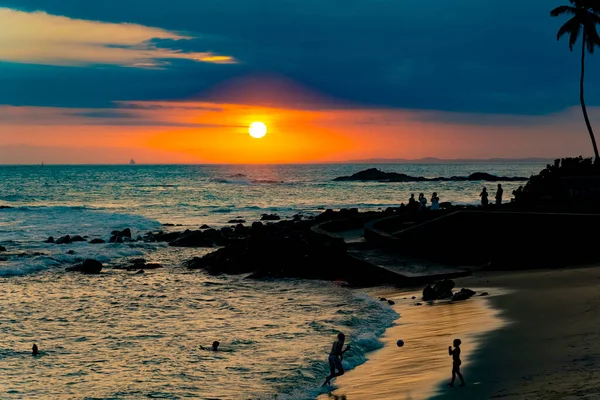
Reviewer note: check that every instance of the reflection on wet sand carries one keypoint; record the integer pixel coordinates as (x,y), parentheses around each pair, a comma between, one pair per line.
(420,368)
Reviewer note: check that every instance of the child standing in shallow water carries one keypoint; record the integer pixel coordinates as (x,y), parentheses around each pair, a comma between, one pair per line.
(456,362)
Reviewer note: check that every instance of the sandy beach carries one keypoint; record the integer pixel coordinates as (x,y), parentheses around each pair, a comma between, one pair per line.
(534,337)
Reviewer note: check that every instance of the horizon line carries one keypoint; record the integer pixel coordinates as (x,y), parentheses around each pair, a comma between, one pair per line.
(423,160)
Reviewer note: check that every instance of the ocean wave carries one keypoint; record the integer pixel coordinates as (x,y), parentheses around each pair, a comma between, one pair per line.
(363,330)
(25,230)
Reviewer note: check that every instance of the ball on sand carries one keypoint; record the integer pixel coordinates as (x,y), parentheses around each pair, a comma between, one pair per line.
(400,343)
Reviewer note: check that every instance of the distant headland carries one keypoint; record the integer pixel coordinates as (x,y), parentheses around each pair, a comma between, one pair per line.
(433,160)
(374,174)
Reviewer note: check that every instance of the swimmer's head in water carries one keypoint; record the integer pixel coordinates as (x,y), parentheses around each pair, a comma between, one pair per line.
(215,345)
(457,342)
(341,336)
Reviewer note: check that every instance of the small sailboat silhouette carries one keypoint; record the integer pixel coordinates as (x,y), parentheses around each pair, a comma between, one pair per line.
(132,162)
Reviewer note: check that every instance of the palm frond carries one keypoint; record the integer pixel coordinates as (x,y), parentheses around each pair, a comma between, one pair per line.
(592,37)
(558,11)
(571,27)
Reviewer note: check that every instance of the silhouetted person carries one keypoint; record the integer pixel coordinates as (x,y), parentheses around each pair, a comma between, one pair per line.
(335,358)
(215,346)
(34,350)
(435,201)
(484,197)
(499,194)
(412,203)
(455,354)
(422,202)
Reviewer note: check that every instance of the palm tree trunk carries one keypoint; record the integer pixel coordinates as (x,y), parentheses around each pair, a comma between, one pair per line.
(581,98)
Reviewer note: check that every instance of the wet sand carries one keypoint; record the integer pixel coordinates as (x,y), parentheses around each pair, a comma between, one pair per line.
(415,370)
(543,342)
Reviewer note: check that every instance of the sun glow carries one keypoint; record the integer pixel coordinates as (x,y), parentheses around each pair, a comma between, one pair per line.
(257,130)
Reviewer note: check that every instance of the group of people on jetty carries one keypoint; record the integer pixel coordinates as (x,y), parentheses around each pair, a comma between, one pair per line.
(420,204)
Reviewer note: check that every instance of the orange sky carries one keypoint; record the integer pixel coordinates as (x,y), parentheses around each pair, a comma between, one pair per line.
(216,131)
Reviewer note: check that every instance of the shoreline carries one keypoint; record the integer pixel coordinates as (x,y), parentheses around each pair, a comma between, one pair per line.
(540,343)
(416,370)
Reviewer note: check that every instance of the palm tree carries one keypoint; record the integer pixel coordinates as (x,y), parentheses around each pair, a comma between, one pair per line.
(585,16)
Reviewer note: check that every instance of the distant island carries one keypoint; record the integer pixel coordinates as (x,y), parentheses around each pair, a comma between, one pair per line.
(433,160)
(374,174)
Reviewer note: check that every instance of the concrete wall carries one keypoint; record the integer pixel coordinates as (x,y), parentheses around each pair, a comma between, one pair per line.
(521,239)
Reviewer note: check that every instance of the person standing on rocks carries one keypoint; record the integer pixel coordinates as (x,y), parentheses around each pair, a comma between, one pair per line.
(484,197)
(423,201)
(499,193)
(435,202)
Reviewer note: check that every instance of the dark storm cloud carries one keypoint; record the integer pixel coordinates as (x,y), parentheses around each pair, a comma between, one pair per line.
(489,56)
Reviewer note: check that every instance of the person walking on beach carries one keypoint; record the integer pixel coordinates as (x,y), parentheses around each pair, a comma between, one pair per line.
(455,354)
(335,358)
(34,350)
(484,197)
(435,201)
(499,194)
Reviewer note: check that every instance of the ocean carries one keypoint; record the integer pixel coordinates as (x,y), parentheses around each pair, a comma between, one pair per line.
(124,336)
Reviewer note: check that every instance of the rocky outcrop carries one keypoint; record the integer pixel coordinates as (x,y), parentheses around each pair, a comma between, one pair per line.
(63,240)
(120,236)
(374,174)
(97,241)
(89,266)
(270,217)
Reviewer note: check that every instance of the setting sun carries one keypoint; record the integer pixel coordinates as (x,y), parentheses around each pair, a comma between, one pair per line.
(257,130)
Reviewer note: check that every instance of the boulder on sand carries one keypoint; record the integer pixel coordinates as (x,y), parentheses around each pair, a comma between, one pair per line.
(439,290)
(463,294)
(89,266)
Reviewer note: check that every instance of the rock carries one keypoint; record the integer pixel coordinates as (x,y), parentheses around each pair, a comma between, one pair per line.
(89,266)
(168,224)
(152,266)
(414,297)
(270,217)
(137,261)
(125,233)
(205,227)
(71,252)
(2,248)
(191,239)
(49,240)
(463,294)
(63,240)
(77,238)
(391,302)
(484,294)
(418,304)
(240,229)
(162,236)
(97,241)
(237,221)
(226,230)
(257,225)
(116,239)
(4,207)
(382,299)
